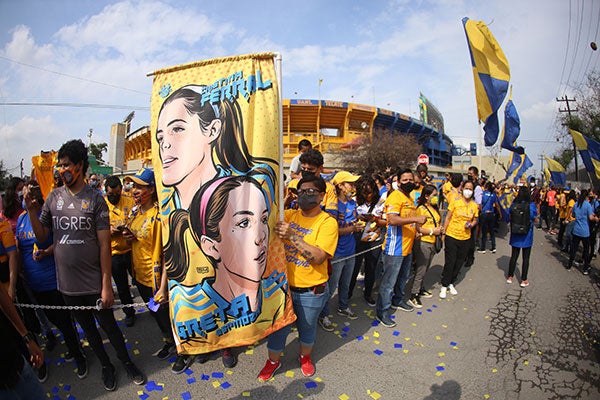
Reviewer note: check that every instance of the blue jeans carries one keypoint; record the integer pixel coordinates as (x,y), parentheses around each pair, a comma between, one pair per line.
(307,307)
(341,273)
(28,387)
(396,270)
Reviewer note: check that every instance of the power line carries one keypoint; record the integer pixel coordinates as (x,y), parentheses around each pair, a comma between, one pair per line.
(79,105)
(562,74)
(73,77)
(576,43)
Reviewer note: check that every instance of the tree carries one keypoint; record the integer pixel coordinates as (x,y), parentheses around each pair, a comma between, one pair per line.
(96,149)
(3,175)
(380,152)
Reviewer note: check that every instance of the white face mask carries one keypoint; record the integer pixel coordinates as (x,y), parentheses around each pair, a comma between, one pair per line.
(395,185)
(467,193)
(532,184)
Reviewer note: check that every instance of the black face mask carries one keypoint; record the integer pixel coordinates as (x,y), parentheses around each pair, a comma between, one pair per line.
(113,198)
(307,173)
(308,202)
(407,187)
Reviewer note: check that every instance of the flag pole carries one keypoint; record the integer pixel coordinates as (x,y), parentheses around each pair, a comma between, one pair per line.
(278,63)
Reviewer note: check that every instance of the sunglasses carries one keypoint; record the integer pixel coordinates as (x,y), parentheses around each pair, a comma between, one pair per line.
(310,191)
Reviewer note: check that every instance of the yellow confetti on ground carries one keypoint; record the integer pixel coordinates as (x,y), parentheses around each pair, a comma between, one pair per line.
(494,370)
(375,334)
(438,338)
(343,396)
(140,392)
(413,324)
(289,374)
(366,337)
(300,396)
(455,348)
(441,354)
(487,317)
(376,341)
(317,379)
(486,396)
(465,308)
(229,372)
(375,395)
(444,326)
(250,352)
(405,351)
(407,339)
(246,394)
(539,352)
(165,398)
(439,373)
(216,384)
(526,362)
(336,332)
(441,364)
(136,352)
(532,333)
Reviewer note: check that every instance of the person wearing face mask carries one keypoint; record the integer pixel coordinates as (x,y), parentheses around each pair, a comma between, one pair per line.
(397,247)
(342,264)
(94,182)
(13,197)
(77,217)
(311,162)
(473,176)
(119,207)
(310,237)
(457,230)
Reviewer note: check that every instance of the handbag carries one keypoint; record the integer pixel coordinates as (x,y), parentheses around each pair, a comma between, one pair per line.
(438,245)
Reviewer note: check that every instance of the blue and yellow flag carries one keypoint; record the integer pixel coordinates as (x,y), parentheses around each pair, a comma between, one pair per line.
(491,74)
(512,127)
(525,165)
(515,162)
(589,149)
(557,172)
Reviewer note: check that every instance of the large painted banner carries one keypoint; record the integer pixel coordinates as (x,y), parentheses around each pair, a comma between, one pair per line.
(215,146)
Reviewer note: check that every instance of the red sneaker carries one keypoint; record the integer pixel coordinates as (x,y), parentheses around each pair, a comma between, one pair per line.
(306,365)
(268,370)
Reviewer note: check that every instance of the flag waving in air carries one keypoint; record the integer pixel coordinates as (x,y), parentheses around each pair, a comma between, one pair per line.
(491,74)
(557,172)
(589,150)
(512,127)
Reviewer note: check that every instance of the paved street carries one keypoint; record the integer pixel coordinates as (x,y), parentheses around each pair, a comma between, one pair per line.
(491,341)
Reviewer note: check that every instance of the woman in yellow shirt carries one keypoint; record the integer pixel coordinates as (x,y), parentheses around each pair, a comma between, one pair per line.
(424,248)
(460,220)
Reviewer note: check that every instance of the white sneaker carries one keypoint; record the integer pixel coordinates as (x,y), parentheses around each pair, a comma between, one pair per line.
(443,292)
(453,291)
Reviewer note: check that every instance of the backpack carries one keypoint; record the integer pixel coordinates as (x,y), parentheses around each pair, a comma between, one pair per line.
(520,220)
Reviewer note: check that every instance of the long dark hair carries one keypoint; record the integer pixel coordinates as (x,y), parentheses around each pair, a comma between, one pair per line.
(523,195)
(365,184)
(12,203)
(205,213)
(582,197)
(427,190)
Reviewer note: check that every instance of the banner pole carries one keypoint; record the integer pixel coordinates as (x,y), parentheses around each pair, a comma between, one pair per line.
(278,71)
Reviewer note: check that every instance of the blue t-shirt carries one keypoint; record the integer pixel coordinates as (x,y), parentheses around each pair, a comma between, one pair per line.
(346,215)
(488,200)
(40,275)
(582,218)
(525,241)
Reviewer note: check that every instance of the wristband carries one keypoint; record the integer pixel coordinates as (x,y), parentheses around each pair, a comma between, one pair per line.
(28,337)
(430,232)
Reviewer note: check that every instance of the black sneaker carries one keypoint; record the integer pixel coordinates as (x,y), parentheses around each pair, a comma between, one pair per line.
(82,370)
(386,321)
(69,357)
(108,378)
(586,270)
(164,352)
(426,294)
(134,373)
(370,301)
(229,358)
(202,358)
(415,302)
(42,373)
(129,320)
(182,363)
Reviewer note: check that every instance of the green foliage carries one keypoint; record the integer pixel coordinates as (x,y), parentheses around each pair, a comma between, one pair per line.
(97,149)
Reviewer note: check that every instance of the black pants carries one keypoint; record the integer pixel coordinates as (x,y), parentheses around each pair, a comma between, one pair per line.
(586,250)
(121,269)
(470,243)
(487,222)
(512,264)
(62,319)
(371,259)
(161,316)
(561,232)
(455,253)
(106,319)
(550,217)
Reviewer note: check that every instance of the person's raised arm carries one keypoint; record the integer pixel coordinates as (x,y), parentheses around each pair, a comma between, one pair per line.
(312,254)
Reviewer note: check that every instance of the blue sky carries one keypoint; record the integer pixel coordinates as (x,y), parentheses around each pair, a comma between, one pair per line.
(380,53)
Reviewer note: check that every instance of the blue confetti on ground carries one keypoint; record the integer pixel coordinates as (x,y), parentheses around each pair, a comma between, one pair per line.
(205,377)
(434,306)
(217,375)
(173,359)
(378,352)
(71,397)
(55,389)
(188,371)
(128,346)
(452,343)
(440,368)
(191,380)
(56,397)
(419,312)
(346,329)
(344,335)
(310,385)
(144,396)
(67,387)
(375,323)
(186,396)
(429,310)
(359,338)
(396,333)
(226,385)
(398,345)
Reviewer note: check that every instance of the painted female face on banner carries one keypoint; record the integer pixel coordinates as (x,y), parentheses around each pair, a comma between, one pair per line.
(184,145)
(244,231)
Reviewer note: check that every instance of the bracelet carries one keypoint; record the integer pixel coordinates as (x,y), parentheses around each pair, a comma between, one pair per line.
(430,232)
(28,337)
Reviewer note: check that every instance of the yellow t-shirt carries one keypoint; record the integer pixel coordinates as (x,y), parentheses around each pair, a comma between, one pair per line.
(399,239)
(422,211)
(569,216)
(119,215)
(446,188)
(320,231)
(561,204)
(147,250)
(462,212)
(452,195)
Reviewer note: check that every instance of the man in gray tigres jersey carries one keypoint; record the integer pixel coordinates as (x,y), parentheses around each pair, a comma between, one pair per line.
(77,215)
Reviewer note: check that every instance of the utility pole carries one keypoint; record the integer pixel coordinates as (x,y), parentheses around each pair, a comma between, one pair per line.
(21,168)
(541,157)
(568,110)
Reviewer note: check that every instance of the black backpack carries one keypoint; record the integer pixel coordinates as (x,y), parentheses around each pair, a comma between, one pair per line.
(520,220)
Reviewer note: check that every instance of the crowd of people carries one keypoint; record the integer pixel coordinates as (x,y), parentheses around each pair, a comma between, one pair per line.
(68,248)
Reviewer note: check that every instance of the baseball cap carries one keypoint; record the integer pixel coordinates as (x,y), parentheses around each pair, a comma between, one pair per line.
(144,177)
(344,176)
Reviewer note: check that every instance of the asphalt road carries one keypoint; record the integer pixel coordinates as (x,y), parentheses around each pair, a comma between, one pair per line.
(491,341)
